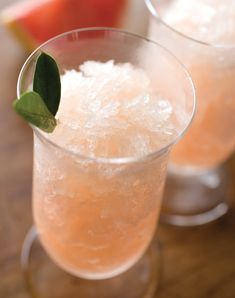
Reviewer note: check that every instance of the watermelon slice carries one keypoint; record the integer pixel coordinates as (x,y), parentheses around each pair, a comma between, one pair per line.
(35,21)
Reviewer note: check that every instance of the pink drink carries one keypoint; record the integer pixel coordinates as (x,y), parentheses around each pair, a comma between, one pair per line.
(98,178)
(209,57)
(96,220)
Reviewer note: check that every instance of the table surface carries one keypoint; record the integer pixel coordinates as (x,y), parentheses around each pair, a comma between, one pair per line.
(198,262)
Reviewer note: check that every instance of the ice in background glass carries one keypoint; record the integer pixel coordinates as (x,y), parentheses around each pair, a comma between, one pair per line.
(201,33)
(98,178)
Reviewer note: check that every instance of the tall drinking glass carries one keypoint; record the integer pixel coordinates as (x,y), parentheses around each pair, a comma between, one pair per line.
(202,35)
(96,203)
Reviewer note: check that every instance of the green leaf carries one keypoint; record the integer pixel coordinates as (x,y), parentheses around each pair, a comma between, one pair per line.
(32,108)
(46,82)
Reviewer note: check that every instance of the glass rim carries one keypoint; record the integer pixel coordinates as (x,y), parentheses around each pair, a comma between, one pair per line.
(153,10)
(111,160)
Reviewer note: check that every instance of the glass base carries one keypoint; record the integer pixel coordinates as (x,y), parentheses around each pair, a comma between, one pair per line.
(45,280)
(193,199)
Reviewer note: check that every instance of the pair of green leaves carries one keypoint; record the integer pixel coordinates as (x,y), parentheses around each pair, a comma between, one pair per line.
(39,106)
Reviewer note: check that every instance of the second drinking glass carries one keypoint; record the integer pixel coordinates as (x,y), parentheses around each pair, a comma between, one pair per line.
(202,35)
